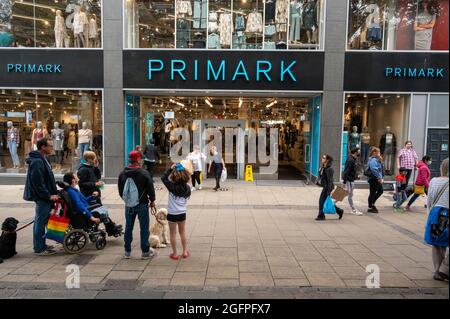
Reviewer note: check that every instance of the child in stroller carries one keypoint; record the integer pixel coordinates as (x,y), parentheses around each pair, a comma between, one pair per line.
(90,206)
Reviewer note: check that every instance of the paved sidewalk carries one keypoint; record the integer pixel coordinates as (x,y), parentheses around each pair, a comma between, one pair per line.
(251,238)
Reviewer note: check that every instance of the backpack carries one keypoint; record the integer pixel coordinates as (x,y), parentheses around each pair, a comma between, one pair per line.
(130,193)
(367,170)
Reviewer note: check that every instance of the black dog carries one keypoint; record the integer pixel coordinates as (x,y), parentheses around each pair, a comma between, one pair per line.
(8,238)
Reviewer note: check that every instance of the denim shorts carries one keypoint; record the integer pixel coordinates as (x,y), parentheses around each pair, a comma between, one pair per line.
(176,218)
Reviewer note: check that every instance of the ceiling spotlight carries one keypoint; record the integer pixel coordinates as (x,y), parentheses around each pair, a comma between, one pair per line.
(398,96)
(207,101)
(3,92)
(381,95)
(49,92)
(365,95)
(386,101)
(241,101)
(65,92)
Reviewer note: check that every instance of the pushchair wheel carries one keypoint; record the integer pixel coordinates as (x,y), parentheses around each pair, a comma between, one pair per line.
(100,243)
(75,241)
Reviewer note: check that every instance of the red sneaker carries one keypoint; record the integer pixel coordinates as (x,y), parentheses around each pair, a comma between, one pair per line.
(186,255)
(174,257)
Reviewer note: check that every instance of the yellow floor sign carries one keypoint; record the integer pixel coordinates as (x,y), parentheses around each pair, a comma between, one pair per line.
(249,173)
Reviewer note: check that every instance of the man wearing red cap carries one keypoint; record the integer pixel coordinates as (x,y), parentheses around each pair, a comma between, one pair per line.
(146,197)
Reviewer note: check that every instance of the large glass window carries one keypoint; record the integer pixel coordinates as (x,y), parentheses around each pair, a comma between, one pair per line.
(439,111)
(420,25)
(375,120)
(225,24)
(50,23)
(73,119)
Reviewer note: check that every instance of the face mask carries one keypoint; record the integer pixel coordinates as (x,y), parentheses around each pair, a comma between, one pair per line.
(430,162)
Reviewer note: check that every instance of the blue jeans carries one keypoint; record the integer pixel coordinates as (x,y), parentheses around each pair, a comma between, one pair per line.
(13,150)
(43,210)
(401,198)
(83,148)
(142,213)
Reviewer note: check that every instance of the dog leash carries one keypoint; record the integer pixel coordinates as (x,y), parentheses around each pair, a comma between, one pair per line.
(25,226)
(154,212)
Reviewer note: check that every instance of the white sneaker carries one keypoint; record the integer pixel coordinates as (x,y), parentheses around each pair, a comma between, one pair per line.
(356,212)
(192,189)
(199,188)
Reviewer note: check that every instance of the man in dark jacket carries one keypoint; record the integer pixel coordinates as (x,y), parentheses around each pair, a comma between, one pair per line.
(350,176)
(40,187)
(326,176)
(146,195)
(151,155)
(89,175)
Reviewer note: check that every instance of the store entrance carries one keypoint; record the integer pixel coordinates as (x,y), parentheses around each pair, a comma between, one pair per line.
(284,130)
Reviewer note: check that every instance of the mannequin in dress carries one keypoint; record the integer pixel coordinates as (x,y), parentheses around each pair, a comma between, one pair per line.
(79,27)
(38,133)
(71,141)
(388,145)
(60,29)
(93,32)
(13,140)
(310,19)
(354,139)
(84,139)
(58,144)
(365,145)
(423,26)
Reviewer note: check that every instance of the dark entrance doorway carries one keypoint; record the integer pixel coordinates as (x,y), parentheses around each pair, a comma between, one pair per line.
(437,148)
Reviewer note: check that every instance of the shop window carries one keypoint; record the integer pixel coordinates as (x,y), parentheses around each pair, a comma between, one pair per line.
(50,24)
(225,24)
(420,25)
(73,119)
(439,111)
(375,120)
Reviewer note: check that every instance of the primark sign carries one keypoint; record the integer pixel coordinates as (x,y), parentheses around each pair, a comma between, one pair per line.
(51,68)
(223,70)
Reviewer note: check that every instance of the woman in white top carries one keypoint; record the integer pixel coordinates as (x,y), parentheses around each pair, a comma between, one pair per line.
(438,197)
(197,158)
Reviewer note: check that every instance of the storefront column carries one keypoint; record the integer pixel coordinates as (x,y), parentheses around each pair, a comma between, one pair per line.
(332,104)
(113,75)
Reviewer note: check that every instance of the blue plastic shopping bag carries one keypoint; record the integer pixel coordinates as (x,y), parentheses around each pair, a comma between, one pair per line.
(328,207)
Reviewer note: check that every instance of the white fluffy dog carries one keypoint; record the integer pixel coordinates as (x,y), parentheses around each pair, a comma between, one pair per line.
(160,230)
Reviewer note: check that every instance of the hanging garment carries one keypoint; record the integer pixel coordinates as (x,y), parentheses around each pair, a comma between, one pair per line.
(183,33)
(374,34)
(239,40)
(269,46)
(270,30)
(310,15)
(184,8)
(79,20)
(424,38)
(296,21)
(213,41)
(270,10)
(200,14)
(93,30)
(281,15)
(240,23)
(225,29)
(212,24)
(71,142)
(60,31)
(254,23)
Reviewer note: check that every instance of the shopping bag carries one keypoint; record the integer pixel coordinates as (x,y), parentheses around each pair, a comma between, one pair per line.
(58,223)
(419,190)
(224,175)
(328,206)
(339,194)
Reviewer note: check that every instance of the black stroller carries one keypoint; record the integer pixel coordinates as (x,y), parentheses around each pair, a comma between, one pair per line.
(81,229)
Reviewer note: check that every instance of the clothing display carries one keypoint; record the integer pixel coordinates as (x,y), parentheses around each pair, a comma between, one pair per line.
(240,23)
(254,23)
(270,10)
(310,15)
(38,133)
(93,29)
(79,21)
(239,40)
(13,141)
(60,30)
(213,26)
(423,38)
(200,14)
(213,41)
(225,29)
(365,147)
(354,140)
(388,144)
(58,139)
(183,34)
(374,33)
(296,20)
(270,30)
(184,8)
(84,136)
(71,142)
(281,15)
(269,46)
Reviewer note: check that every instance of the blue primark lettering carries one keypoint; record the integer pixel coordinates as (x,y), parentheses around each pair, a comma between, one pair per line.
(431,73)
(440,73)
(41,69)
(263,71)
(10,67)
(421,73)
(237,73)
(216,74)
(33,68)
(196,70)
(151,69)
(412,73)
(287,70)
(176,70)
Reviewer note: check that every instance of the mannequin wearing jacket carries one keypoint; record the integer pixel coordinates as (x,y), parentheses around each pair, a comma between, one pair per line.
(58,144)
(13,139)
(388,147)
(60,29)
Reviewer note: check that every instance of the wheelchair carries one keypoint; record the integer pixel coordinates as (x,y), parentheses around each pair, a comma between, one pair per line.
(81,230)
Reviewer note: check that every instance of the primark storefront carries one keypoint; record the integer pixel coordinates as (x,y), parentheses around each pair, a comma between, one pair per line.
(327,75)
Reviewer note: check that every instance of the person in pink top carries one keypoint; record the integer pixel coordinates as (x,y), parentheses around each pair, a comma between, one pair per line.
(407,158)
(423,178)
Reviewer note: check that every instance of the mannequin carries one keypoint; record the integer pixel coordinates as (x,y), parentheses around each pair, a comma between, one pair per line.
(93,32)
(79,27)
(354,139)
(365,145)
(13,140)
(60,29)
(374,33)
(281,16)
(84,139)
(38,133)
(310,19)
(28,133)
(296,20)
(58,144)
(71,141)
(423,26)
(388,145)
